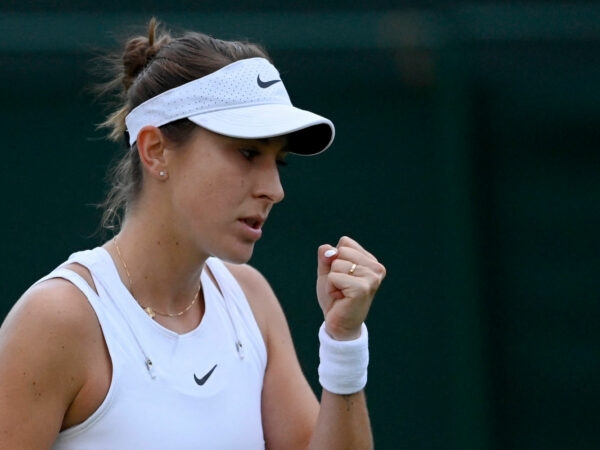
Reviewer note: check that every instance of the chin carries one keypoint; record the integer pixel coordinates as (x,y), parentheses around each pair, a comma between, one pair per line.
(237,261)
(241,256)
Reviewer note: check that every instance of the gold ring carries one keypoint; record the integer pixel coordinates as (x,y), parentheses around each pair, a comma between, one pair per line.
(352,269)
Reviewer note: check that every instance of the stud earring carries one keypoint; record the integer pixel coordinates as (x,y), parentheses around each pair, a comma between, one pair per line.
(162,173)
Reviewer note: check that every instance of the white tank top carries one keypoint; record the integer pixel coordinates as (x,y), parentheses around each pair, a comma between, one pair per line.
(169,391)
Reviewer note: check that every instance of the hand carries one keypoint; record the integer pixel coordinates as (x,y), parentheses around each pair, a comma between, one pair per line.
(345,291)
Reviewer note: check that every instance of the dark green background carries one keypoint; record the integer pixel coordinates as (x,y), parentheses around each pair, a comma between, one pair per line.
(466,159)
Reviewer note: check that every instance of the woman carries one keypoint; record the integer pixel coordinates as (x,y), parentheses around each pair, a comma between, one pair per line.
(163,338)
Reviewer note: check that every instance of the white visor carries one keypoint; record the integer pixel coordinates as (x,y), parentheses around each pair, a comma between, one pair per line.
(245,99)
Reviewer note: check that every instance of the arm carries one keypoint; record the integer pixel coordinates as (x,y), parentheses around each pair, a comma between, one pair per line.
(292,417)
(348,278)
(41,363)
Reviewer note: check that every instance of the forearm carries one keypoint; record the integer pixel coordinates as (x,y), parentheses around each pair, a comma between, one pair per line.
(343,423)
(343,420)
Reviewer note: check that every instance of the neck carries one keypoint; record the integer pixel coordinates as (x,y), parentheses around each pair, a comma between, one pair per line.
(158,270)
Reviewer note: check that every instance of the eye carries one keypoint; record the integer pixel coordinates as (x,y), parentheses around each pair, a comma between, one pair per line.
(249,153)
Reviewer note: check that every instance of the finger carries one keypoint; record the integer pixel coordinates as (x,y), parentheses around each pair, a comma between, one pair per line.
(355,285)
(353,256)
(326,255)
(345,266)
(346,241)
(372,271)
(350,287)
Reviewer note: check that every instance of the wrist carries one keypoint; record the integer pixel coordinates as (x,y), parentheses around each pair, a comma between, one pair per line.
(341,334)
(343,363)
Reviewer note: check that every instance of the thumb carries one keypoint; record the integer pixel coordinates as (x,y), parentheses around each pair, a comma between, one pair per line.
(326,255)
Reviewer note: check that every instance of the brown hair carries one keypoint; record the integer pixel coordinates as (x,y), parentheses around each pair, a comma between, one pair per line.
(148,66)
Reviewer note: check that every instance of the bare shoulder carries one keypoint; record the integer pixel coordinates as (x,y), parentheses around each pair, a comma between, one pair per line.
(250,279)
(53,307)
(44,352)
(260,295)
(52,324)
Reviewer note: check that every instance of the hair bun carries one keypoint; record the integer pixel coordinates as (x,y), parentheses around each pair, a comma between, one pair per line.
(139,52)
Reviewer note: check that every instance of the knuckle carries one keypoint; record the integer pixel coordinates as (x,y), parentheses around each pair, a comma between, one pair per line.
(373,281)
(336,265)
(374,286)
(344,241)
(380,270)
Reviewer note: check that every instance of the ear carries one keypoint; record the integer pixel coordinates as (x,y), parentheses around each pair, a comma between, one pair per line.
(151,146)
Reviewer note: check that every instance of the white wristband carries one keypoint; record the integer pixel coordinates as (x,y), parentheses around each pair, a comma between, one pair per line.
(343,364)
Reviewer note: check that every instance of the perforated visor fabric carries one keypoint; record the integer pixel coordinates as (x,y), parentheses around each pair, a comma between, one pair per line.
(246,99)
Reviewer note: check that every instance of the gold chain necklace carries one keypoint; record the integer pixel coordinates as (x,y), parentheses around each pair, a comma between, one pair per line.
(149,310)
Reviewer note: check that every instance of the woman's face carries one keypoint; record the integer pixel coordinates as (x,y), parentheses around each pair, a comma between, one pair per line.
(221,191)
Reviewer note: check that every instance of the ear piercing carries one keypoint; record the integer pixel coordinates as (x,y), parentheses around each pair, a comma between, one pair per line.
(162,173)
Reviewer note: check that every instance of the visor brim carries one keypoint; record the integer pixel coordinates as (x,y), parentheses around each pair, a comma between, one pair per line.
(309,133)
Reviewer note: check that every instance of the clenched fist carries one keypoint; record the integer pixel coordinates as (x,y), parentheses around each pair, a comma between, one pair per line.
(348,278)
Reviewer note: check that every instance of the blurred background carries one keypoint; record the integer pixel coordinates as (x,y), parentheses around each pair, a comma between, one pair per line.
(466,159)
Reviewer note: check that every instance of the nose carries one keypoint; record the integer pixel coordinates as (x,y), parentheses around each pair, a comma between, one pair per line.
(269,185)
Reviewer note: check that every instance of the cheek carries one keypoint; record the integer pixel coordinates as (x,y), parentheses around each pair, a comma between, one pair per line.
(214,192)
(210,183)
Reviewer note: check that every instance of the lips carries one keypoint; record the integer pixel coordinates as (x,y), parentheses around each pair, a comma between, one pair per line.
(255,222)
(252,226)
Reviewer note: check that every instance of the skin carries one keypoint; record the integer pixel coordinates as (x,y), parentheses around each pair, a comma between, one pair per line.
(55,369)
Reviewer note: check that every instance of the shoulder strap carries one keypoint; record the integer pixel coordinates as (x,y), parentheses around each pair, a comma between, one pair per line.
(91,259)
(74,278)
(226,282)
(237,307)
